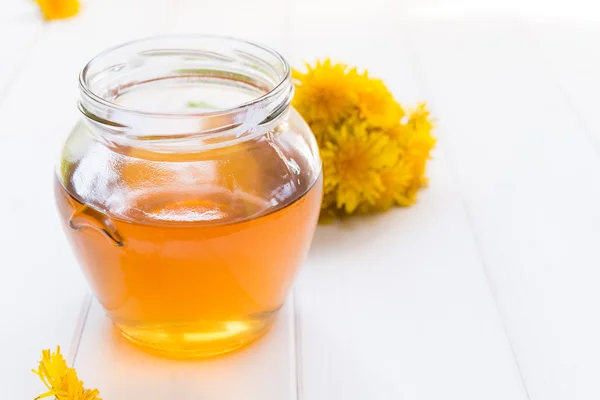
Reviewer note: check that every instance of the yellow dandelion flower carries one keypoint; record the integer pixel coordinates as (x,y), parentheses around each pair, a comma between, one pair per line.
(418,122)
(51,370)
(58,9)
(399,133)
(418,140)
(374,156)
(420,119)
(403,181)
(72,389)
(61,381)
(376,104)
(397,180)
(325,92)
(353,160)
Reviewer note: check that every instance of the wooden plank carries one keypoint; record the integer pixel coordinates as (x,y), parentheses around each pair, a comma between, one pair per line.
(396,305)
(529,175)
(262,371)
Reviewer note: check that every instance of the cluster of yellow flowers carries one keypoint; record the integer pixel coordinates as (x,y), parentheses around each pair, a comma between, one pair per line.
(373,152)
(61,381)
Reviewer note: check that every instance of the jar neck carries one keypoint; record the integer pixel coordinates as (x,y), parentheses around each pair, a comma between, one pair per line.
(180,93)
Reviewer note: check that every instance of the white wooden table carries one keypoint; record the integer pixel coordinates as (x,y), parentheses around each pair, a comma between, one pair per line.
(487,289)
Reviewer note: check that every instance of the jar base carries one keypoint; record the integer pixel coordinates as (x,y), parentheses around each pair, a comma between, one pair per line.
(198,340)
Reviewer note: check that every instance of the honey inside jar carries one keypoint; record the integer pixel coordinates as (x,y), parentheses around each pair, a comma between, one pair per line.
(191,241)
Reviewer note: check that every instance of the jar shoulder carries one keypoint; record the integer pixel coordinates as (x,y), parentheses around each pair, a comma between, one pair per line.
(252,176)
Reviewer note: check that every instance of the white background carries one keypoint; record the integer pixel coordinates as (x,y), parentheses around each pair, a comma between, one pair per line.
(486,289)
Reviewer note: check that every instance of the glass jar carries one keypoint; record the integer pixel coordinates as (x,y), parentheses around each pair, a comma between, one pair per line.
(190,190)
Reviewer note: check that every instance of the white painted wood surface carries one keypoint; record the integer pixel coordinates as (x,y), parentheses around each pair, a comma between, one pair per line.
(486,289)
(528,168)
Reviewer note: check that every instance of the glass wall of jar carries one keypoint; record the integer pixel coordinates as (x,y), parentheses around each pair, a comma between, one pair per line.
(190,190)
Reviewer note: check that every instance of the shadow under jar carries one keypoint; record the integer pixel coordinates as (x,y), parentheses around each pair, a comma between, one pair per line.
(190,190)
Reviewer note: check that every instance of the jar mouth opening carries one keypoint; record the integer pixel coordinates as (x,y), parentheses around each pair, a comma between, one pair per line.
(114,60)
(175,86)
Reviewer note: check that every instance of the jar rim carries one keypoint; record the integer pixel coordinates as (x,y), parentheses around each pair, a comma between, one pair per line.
(243,67)
(92,96)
